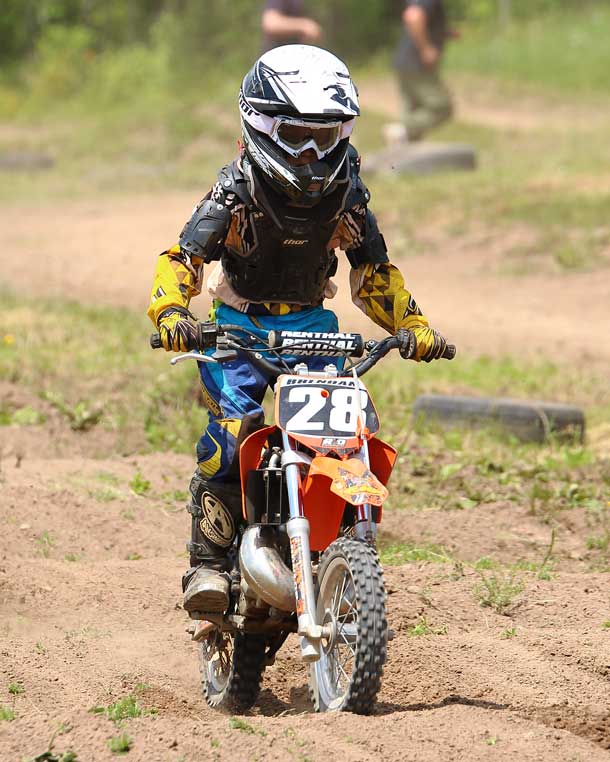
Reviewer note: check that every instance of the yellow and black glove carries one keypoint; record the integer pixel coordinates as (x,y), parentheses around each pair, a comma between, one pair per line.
(430,345)
(178,329)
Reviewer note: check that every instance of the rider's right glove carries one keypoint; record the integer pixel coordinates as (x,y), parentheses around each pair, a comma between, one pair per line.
(178,330)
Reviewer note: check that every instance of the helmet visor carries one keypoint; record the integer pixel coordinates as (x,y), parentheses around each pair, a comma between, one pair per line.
(296,136)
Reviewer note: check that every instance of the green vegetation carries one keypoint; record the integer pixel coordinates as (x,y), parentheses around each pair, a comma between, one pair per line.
(81,416)
(509,632)
(123,709)
(397,554)
(45,542)
(237,723)
(120,744)
(423,627)
(139,485)
(15,689)
(6,714)
(23,416)
(563,49)
(498,590)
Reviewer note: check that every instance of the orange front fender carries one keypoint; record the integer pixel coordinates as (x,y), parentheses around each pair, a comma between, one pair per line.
(324,500)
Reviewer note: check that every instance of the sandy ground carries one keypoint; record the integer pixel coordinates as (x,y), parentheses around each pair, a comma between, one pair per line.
(85,632)
(94,614)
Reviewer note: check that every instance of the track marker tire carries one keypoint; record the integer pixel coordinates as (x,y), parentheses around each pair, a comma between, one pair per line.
(529,421)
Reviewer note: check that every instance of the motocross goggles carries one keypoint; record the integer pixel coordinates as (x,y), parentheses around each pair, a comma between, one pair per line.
(296,136)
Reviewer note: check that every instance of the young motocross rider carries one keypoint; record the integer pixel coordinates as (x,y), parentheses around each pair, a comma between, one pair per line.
(269,229)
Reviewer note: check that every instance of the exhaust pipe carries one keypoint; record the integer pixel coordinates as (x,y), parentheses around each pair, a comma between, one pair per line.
(264,571)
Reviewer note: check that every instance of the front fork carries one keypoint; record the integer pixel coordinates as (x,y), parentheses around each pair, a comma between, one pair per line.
(366,528)
(298,531)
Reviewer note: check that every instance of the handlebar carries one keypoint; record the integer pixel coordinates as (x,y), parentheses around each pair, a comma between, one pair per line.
(302,343)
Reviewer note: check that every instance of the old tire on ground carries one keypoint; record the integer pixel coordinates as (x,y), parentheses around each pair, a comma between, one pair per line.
(351,602)
(231,670)
(529,421)
(421,158)
(25,161)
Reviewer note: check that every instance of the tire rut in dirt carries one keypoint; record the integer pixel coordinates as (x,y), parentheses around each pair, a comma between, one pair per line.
(245,671)
(372,630)
(592,725)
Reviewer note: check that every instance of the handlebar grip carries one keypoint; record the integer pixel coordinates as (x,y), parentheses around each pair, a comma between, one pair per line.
(155,341)
(450,352)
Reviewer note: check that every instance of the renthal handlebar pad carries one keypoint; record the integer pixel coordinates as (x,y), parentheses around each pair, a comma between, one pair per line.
(318,343)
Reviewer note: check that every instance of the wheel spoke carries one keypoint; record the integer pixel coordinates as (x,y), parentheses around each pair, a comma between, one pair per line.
(337,599)
(348,643)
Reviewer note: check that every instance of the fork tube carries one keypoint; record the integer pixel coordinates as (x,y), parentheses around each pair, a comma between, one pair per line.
(298,532)
(365,528)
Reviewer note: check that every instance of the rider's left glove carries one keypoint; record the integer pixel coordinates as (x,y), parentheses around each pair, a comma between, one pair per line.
(430,344)
(178,330)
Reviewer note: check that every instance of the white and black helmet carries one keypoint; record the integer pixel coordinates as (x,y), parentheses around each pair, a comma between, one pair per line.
(296,98)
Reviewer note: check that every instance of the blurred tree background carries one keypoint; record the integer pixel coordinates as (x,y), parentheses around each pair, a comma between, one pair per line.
(51,47)
(208,28)
(150,85)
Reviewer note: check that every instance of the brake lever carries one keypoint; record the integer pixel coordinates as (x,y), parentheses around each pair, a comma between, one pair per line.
(191,356)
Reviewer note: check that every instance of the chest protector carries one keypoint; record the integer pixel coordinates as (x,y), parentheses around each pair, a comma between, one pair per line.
(275,252)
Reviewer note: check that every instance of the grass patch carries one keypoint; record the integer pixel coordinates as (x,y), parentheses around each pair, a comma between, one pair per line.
(6,714)
(563,51)
(509,632)
(397,554)
(16,689)
(125,708)
(155,410)
(498,590)
(237,723)
(120,744)
(423,627)
(23,416)
(46,543)
(139,485)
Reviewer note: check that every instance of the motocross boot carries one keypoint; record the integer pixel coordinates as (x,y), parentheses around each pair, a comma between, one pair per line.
(215,510)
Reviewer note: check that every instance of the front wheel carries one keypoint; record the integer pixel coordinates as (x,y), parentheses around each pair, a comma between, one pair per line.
(231,670)
(351,603)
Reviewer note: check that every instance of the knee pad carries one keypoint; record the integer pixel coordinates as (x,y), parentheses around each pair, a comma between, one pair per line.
(216,513)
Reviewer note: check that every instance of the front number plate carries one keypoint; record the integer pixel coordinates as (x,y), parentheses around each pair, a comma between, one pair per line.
(324,407)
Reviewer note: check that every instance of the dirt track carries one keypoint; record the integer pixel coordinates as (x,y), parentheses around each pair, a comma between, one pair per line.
(84,632)
(109,255)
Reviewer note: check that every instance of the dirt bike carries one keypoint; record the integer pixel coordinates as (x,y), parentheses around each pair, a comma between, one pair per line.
(313,488)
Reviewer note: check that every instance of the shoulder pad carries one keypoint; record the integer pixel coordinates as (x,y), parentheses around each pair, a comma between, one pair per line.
(359,194)
(204,234)
(231,187)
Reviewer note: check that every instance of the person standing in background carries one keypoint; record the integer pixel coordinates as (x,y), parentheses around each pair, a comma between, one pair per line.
(285,22)
(427,101)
